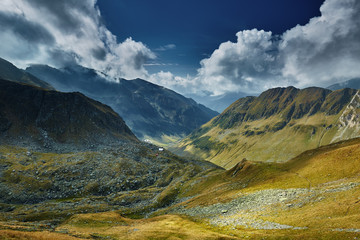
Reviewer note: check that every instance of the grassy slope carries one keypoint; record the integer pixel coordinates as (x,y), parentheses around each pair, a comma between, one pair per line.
(324,171)
(310,169)
(328,209)
(239,133)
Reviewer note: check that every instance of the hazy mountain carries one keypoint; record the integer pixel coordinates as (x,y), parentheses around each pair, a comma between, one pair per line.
(218,103)
(43,119)
(276,126)
(151,111)
(9,72)
(58,146)
(352,83)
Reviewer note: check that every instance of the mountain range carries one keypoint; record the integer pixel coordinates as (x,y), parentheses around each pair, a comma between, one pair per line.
(151,111)
(286,162)
(276,126)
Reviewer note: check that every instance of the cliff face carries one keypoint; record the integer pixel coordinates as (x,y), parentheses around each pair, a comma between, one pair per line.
(31,116)
(276,126)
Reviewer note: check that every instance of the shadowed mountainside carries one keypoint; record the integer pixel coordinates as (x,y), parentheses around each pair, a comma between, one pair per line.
(151,111)
(43,119)
(9,72)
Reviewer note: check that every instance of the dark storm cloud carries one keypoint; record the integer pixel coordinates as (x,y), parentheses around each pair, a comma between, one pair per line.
(62,58)
(66,14)
(65,32)
(27,30)
(99,53)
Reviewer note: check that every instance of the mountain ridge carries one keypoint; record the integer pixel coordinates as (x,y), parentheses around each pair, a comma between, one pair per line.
(275,126)
(151,111)
(10,72)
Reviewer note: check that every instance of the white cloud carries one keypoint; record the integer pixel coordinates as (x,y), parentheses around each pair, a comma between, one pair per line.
(324,51)
(66,32)
(177,83)
(246,65)
(327,49)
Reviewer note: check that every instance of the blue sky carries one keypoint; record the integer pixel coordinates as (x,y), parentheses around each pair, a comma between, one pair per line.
(199,48)
(195,28)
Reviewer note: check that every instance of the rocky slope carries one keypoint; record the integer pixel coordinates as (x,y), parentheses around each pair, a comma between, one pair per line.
(276,126)
(9,72)
(312,196)
(55,121)
(151,111)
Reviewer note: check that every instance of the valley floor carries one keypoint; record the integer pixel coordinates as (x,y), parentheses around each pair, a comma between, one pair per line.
(314,196)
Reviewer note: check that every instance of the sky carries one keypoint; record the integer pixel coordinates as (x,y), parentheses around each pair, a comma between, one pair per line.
(197,47)
(183,32)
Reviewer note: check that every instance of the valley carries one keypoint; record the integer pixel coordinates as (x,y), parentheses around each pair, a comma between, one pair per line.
(283,165)
(313,196)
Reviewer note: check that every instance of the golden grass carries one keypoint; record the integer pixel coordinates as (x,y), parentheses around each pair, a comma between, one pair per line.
(264,145)
(112,225)
(329,212)
(43,235)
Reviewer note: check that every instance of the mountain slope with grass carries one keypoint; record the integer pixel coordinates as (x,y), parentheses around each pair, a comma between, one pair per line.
(276,126)
(313,196)
(64,153)
(151,111)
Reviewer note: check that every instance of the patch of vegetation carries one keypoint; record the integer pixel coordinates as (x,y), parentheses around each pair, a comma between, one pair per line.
(278,126)
(205,144)
(199,132)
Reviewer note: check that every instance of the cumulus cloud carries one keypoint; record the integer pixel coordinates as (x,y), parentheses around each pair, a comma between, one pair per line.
(327,49)
(67,32)
(180,84)
(245,65)
(324,51)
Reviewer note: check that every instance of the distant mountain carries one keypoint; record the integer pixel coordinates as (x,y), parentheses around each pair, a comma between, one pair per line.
(218,103)
(151,111)
(276,126)
(51,120)
(352,83)
(9,72)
